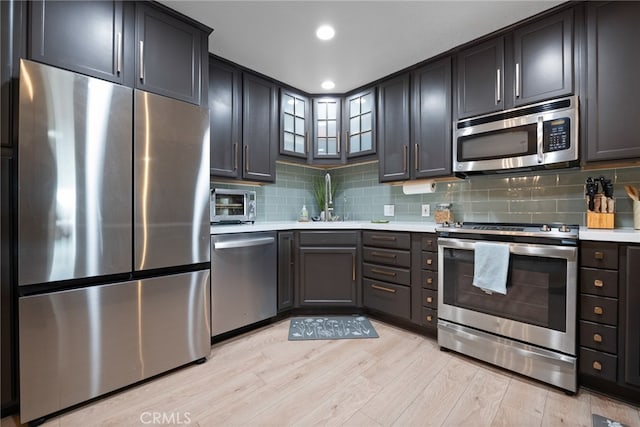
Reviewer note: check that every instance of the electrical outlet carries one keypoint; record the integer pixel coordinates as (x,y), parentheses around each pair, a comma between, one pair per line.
(426,210)
(389,210)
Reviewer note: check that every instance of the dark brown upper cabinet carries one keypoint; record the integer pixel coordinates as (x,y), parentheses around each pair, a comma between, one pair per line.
(531,64)
(360,123)
(139,44)
(431,120)
(327,145)
(259,128)
(64,34)
(393,129)
(295,124)
(613,87)
(225,109)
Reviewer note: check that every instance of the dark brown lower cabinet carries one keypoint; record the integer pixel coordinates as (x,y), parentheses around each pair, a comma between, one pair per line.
(609,325)
(286,269)
(328,264)
(424,280)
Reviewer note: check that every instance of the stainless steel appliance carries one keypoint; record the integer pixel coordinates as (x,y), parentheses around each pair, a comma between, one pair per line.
(538,136)
(532,328)
(243,279)
(113,237)
(233,206)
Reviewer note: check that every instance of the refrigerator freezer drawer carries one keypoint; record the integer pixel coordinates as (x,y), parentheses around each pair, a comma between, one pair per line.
(82,343)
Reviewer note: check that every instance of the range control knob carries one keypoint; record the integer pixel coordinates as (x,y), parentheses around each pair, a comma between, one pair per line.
(458,224)
(564,228)
(545,227)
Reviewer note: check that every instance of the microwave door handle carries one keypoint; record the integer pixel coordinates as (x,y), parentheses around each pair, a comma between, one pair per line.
(540,136)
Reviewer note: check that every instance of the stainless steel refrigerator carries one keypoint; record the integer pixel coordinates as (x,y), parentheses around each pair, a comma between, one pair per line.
(113,237)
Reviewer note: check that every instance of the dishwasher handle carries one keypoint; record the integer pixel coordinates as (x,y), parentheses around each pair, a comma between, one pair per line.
(244,243)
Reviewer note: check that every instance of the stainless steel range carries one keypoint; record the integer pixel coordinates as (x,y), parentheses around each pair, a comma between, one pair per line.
(527,325)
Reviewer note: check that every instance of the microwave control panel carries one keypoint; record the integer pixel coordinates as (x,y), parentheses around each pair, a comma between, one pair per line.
(556,135)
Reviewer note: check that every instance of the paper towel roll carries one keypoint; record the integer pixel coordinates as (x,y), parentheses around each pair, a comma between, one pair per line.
(419,186)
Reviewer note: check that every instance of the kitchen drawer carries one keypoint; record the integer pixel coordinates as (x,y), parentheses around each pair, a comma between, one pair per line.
(430,299)
(430,260)
(386,239)
(429,242)
(395,257)
(599,309)
(429,317)
(387,297)
(599,282)
(429,279)
(598,364)
(598,337)
(401,276)
(599,255)
(321,238)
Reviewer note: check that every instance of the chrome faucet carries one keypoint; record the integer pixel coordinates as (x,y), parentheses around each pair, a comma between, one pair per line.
(327,197)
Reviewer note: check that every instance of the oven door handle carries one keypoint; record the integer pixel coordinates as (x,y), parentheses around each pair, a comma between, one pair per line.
(570,253)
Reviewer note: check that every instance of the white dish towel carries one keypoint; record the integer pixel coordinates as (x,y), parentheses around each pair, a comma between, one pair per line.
(491,267)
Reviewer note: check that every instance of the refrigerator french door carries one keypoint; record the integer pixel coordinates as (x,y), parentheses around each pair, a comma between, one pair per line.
(113,237)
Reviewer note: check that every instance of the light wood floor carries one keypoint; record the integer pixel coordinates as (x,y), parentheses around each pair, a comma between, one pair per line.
(399,379)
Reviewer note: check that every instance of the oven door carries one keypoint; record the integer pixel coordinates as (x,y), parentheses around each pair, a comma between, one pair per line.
(539,307)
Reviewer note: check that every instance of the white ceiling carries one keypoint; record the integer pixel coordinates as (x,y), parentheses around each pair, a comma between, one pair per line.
(373,38)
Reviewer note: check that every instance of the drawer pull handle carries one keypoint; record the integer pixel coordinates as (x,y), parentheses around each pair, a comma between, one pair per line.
(429,243)
(385,238)
(429,300)
(385,273)
(598,310)
(597,366)
(598,255)
(429,318)
(382,288)
(597,338)
(429,261)
(430,280)
(598,283)
(381,255)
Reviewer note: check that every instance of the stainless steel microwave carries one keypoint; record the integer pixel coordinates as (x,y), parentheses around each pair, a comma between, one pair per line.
(233,206)
(537,136)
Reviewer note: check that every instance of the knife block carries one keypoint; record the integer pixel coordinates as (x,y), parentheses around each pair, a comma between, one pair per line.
(600,220)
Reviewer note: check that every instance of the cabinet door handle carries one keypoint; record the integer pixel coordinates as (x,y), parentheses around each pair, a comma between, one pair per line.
(338,141)
(597,338)
(306,142)
(597,366)
(384,273)
(598,310)
(517,80)
(429,300)
(353,268)
(598,283)
(405,155)
(347,142)
(381,255)
(292,252)
(498,86)
(429,281)
(382,288)
(119,54)
(235,156)
(598,255)
(246,158)
(416,148)
(384,238)
(141,57)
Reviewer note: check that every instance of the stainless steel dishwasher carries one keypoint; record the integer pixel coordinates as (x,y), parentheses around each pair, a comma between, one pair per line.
(243,279)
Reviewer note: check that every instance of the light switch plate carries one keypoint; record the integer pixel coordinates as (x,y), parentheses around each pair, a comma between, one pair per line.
(426,210)
(389,210)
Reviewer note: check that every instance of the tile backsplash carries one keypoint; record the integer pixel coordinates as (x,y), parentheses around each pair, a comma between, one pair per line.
(548,196)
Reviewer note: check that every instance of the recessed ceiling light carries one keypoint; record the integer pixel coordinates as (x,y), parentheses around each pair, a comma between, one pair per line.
(328,84)
(325,32)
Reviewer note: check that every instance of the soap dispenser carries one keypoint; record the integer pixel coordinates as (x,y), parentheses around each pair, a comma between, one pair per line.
(304,214)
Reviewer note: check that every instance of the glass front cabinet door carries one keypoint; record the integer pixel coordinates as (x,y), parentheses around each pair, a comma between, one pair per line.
(360,123)
(326,119)
(295,124)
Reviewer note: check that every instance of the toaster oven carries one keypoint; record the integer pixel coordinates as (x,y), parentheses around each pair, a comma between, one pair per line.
(233,206)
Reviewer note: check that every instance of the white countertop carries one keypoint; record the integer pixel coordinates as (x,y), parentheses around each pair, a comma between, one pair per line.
(628,235)
(338,225)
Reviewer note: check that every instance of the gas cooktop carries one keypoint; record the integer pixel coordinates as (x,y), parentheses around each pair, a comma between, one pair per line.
(512,229)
